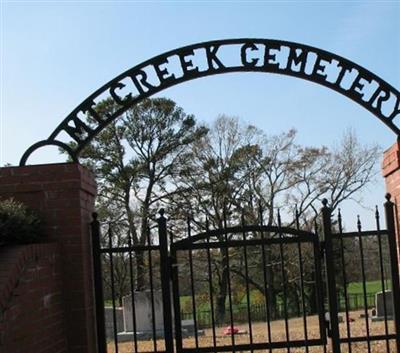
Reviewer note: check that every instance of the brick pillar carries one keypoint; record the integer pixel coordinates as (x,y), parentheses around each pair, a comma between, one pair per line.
(63,194)
(391,173)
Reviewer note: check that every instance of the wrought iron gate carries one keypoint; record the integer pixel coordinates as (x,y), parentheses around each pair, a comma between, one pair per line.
(302,278)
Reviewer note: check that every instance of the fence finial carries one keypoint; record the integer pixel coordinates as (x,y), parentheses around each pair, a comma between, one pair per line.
(358,223)
(339,218)
(297,216)
(260,212)
(279,218)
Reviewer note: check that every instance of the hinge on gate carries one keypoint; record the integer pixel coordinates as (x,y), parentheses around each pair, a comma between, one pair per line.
(328,329)
(322,249)
(174,268)
(327,321)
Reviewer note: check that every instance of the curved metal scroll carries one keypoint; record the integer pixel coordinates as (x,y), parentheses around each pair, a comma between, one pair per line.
(210,58)
(287,235)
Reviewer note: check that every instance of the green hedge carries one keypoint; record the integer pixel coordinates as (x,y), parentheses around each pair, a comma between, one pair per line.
(18,224)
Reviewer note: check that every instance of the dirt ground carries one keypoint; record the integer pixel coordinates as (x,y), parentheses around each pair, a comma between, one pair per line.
(278,333)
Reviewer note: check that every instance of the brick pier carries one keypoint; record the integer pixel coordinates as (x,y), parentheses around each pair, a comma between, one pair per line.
(63,194)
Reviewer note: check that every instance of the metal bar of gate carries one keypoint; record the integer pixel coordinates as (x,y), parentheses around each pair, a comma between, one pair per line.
(344,275)
(301,270)
(114,314)
(165,282)
(319,290)
(390,224)
(364,283)
(246,269)
(192,287)
(151,282)
(98,286)
(228,274)
(284,280)
(382,273)
(210,284)
(135,341)
(265,262)
(331,281)
(177,307)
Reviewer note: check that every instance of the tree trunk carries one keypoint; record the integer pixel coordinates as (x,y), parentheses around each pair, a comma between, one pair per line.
(297,295)
(140,272)
(271,293)
(144,236)
(222,290)
(312,297)
(272,301)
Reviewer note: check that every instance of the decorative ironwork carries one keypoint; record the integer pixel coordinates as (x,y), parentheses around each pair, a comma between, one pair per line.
(218,57)
(236,240)
(254,254)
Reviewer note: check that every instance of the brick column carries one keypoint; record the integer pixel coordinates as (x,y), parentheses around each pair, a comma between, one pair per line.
(391,173)
(63,194)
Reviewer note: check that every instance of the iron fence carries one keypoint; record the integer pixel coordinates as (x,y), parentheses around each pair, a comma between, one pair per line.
(190,286)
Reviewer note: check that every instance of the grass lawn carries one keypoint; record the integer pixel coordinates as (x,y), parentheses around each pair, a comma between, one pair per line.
(372,287)
(354,288)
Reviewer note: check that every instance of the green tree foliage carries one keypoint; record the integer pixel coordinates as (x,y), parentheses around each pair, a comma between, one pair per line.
(18,224)
(133,161)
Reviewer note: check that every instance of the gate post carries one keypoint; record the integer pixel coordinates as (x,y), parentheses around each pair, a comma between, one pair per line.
(63,194)
(98,285)
(391,173)
(390,225)
(165,282)
(330,275)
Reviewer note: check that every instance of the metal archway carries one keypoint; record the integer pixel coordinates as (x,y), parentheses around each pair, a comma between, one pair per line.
(250,55)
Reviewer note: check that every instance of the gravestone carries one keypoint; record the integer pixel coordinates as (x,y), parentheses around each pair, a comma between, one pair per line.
(144,317)
(188,328)
(143,311)
(109,321)
(328,318)
(380,307)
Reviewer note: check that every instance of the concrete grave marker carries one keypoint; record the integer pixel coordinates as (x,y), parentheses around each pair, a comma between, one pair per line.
(109,321)
(143,310)
(380,307)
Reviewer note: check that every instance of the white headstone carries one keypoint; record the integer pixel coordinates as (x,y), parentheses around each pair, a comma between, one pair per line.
(143,311)
(328,317)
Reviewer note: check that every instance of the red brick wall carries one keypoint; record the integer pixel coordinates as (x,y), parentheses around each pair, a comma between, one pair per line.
(64,196)
(391,173)
(32,317)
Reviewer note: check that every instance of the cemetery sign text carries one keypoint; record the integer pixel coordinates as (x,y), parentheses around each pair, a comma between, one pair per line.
(217,57)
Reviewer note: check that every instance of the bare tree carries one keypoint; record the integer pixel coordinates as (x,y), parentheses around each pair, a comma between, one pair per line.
(236,168)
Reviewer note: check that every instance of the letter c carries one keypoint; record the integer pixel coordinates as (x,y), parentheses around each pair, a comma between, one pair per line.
(243,55)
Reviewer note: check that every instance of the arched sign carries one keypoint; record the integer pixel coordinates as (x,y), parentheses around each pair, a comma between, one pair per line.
(218,57)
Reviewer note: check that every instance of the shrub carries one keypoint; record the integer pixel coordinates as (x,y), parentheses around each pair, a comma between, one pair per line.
(18,224)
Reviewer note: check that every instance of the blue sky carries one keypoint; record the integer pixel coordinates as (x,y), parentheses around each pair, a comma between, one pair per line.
(54,54)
